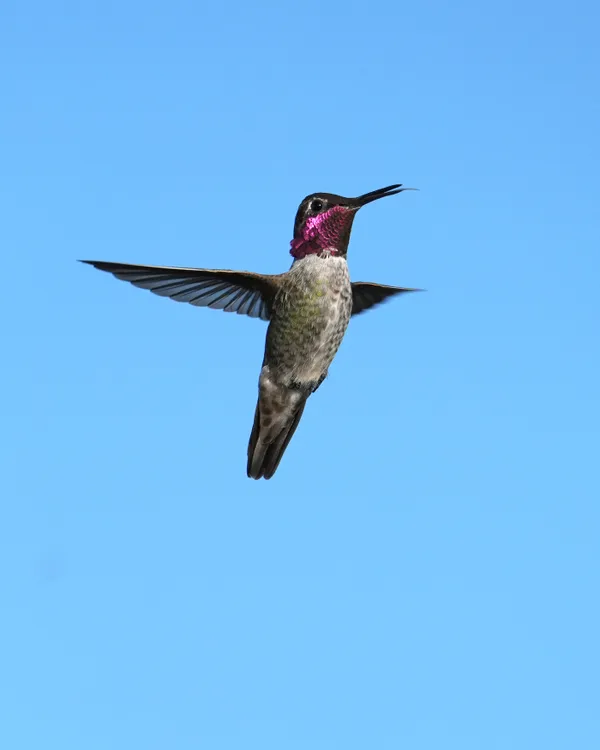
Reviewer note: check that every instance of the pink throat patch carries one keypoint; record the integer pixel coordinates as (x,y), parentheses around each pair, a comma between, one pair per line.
(322,232)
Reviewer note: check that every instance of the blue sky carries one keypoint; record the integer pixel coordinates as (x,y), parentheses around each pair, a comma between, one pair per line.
(423,570)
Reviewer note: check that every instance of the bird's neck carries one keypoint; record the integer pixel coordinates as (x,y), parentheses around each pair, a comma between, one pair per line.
(300,248)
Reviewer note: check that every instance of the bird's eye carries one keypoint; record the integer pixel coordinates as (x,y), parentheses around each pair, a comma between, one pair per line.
(316,205)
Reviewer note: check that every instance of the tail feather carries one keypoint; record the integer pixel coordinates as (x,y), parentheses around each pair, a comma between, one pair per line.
(265,451)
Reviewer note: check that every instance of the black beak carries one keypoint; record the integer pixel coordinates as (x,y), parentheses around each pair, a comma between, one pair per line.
(375,195)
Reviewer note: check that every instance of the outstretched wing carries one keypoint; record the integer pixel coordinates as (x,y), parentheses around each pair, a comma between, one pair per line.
(233,291)
(365,294)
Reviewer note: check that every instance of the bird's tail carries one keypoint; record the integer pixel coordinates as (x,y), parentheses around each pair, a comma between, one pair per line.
(271,434)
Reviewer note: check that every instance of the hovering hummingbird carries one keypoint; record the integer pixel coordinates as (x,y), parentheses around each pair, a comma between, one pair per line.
(308,309)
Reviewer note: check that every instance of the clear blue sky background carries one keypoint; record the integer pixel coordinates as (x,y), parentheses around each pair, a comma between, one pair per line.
(423,571)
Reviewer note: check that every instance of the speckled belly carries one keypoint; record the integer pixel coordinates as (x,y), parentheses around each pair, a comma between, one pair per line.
(309,320)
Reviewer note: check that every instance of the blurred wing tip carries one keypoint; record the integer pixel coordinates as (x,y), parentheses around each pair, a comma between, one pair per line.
(94,263)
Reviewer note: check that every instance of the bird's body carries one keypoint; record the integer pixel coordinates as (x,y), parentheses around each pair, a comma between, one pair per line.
(308,309)
(310,316)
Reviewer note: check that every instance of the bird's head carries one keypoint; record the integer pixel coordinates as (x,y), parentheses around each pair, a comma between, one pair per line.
(324,221)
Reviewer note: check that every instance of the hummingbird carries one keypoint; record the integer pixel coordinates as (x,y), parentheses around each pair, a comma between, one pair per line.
(308,309)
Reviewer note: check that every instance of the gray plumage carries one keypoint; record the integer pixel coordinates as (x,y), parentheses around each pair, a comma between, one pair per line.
(309,318)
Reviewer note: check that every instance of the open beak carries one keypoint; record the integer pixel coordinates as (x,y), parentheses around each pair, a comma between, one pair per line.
(375,195)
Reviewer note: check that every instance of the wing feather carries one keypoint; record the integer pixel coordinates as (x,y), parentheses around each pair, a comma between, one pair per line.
(241,292)
(366,294)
